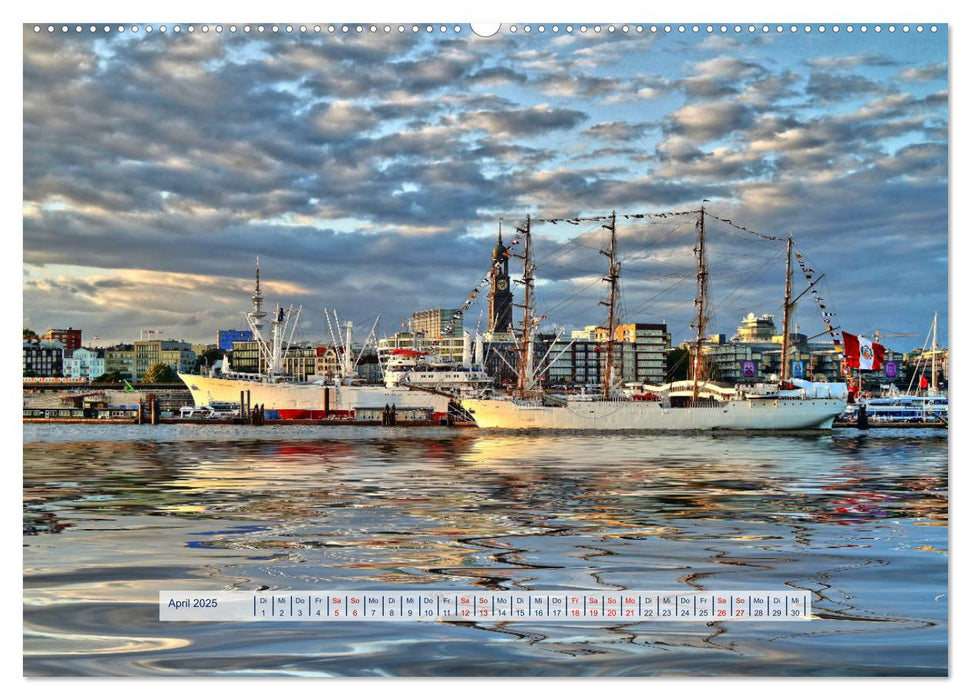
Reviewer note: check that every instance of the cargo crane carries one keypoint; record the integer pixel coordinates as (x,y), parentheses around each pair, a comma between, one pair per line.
(877,335)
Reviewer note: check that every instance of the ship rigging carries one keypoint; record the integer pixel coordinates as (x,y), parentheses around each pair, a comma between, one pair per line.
(532,406)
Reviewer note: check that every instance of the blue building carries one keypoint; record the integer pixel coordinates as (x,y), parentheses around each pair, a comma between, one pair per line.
(225,339)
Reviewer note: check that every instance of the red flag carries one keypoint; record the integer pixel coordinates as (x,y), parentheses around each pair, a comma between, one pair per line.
(851,350)
(861,352)
(923,382)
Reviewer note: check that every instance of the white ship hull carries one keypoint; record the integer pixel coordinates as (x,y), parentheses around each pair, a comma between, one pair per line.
(308,396)
(739,414)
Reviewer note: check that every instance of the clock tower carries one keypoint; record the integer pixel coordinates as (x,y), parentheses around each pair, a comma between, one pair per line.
(500,295)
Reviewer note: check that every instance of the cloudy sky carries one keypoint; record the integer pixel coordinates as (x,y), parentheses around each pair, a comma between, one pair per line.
(369,172)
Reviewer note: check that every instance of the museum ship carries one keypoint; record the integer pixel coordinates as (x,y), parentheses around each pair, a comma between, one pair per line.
(416,380)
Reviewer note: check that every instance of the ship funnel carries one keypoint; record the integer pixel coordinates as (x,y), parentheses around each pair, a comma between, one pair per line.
(479,351)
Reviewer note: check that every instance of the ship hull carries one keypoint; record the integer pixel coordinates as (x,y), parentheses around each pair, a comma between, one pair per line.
(743,414)
(293,396)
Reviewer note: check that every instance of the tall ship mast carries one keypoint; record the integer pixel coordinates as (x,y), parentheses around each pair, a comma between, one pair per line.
(524,381)
(786,312)
(698,373)
(612,278)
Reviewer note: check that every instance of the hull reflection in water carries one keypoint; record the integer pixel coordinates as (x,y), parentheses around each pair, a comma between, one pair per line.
(858,519)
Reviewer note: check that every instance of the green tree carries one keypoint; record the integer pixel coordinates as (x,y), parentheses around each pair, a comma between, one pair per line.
(678,363)
(29,334)
(208,358)
(159,373)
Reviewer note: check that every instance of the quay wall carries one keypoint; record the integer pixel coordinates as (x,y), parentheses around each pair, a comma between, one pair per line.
(171,397)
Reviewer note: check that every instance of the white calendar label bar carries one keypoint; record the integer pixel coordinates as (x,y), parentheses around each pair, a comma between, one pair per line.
(486,606)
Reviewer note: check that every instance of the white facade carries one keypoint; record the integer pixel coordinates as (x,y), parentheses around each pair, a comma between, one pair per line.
(450,348)
(84,364)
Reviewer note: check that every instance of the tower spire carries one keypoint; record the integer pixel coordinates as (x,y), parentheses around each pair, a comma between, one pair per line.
(257,314)
(500,296)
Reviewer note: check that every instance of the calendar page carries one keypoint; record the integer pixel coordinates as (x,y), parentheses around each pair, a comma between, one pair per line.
(437,349)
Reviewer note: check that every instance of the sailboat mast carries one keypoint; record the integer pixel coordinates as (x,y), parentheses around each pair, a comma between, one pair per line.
(613,275)
(787,303)
(525,352)
(934,357)
(700,302)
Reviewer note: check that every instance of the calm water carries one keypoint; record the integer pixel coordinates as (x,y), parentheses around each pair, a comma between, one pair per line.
(112,514)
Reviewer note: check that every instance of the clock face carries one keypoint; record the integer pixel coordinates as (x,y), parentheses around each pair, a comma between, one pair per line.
(501,285)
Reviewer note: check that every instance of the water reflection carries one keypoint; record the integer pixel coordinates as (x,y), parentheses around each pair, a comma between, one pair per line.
(843,515)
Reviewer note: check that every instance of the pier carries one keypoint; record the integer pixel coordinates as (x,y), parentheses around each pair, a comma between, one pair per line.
(348,423)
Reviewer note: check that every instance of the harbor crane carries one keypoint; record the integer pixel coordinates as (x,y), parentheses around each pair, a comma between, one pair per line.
(877,335)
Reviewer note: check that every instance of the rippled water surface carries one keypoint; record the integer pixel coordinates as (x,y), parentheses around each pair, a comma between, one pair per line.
(112,514)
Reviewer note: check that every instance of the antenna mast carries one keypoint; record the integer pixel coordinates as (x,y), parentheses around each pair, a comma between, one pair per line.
(613,275)
(786,309)
(257,314)
(700,301)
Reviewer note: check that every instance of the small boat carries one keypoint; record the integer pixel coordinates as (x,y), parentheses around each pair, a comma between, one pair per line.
(926,405)
(900,409)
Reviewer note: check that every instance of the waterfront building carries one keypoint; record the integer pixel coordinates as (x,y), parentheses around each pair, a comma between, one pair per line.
(326,362)
(246,357)
(922,362)
(500,355)
(202,348)
(70,338)
(643,351)
(304,361)
(176,354)
(84,363)
(43,358)
(225,339)
(639,355)
(121,359)
(369,369)
(438,331)
(588,333)
(434,324)
(449,347)
(575,363)
(756,329)
(300,361)
(754,354)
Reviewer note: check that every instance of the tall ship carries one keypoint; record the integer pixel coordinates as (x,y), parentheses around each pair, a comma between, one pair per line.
(693,404)
(413,380)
